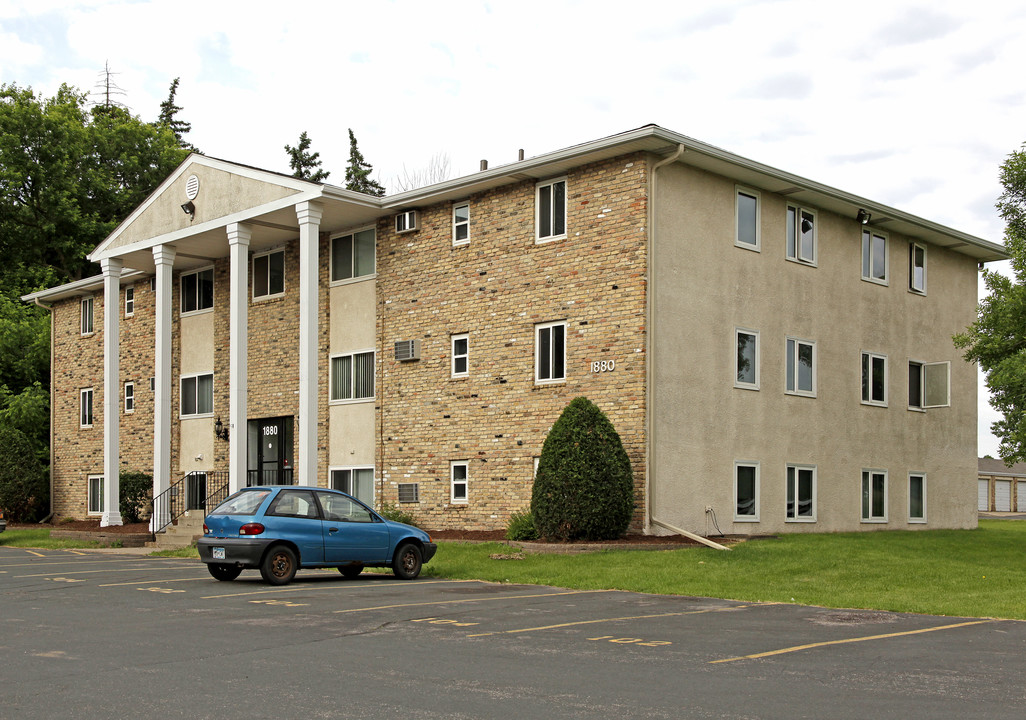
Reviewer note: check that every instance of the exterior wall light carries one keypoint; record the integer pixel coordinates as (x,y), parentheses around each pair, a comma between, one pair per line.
(220,431)
(189,208)
(863,218)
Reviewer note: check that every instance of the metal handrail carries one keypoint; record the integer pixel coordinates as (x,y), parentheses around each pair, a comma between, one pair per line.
(176,501)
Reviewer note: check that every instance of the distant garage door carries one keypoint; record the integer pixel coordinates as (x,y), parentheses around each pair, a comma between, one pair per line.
(1020,497)
(983,495)
(1003,495)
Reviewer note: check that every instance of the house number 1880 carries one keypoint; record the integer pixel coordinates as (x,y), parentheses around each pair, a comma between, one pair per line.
(600,366)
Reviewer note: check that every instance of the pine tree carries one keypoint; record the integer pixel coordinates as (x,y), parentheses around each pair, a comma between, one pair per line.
(305,165)
(358,171)
(168,117)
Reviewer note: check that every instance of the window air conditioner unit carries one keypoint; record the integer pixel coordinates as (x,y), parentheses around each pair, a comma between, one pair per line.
(406,221)
(406,350)
(409,492)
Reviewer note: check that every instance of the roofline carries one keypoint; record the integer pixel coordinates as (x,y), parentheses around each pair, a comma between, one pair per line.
(78,287)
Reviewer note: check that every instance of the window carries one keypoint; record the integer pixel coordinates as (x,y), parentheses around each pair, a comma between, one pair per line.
(550,352)
(129,397)
(460,355)
(801,234)
(458,482)
(352,376)
(929,385)
(874,257)
(85,414)
(95,494)
(801,493)
(198,394)
(87,316)
(550,210)
(746,492)
(801,367)
(746,363)
(352,256)
(461,224)
(917,268)
(153,384)
(747,219)
(198,290)
(916,498)
(874,379)
(406,221)
(129,301)
(874,496)
(153,283)
(268,274)
(358,482)
(294,503)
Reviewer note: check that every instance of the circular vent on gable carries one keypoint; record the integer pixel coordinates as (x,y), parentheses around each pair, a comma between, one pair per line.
(192,187)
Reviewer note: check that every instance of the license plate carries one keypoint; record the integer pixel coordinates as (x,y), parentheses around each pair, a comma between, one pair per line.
(217,553)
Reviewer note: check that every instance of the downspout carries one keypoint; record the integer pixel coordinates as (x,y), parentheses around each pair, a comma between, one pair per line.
(49,309)
(649,395)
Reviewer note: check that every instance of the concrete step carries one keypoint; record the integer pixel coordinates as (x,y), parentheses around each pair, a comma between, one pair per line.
(182,533)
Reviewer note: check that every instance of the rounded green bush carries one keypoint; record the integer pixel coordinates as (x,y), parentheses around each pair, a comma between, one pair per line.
(584,489)
(521,527)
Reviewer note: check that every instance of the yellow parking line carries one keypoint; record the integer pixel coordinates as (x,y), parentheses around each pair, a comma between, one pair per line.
(33,552)
(796,648)
(470,600)
(151,582)
(109,570)
(605,620)
(334,586)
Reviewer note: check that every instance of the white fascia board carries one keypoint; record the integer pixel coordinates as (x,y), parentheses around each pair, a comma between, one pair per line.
(78,287)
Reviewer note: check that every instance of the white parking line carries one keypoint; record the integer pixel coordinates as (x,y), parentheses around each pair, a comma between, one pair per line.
(347,585)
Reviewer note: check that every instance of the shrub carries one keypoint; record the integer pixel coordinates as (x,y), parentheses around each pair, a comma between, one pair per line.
(135,489)
(584,489)
(24,481)
(521,527)
(396,513)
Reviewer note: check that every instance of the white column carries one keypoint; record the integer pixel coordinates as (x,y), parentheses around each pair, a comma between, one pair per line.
(238,354)
(163,260)
(309,215)
(111,268)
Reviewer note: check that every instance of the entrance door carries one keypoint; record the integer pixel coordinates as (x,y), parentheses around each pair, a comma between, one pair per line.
(270,451)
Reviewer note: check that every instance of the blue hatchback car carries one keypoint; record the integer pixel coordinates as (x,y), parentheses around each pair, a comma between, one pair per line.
(280,529)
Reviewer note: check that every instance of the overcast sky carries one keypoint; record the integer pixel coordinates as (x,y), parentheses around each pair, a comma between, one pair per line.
(912,104)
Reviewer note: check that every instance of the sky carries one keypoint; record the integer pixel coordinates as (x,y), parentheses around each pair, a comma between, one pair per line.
(912,104)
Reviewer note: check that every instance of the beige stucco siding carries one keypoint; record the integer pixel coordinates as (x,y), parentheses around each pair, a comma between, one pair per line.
(704,287)
(352,426)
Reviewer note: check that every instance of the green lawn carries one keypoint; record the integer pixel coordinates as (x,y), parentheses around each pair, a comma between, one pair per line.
(40,538)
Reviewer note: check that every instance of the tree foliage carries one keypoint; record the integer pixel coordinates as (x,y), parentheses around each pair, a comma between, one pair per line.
(584,488)
(997,340)
(358,171)
(24,486)
(135,490)
(305,164)
(169,117)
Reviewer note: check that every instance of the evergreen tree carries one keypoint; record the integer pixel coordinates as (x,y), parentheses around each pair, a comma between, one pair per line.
(169,117)
(305,165)
(358,171)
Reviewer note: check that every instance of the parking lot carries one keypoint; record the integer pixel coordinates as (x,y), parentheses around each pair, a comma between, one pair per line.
(111,635)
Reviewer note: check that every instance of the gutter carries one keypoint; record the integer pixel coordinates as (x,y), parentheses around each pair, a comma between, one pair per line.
(49,309)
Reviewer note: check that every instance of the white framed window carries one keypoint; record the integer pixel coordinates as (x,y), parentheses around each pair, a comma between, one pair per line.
(94,493)
(129,301)
(874,379)
(87,315)
(746,359)
(746,491)
(352,377)
(458,480)
(874,257)
(874,495)
(352,255)
(357,481)
(153,384)
(269,274)
(801,235)
(550,352)
(461,224)
(747,218)
(153,283)
(801,493)
(85,407)
(917,268)
(197,290)
(929,385)
(550,210)
(800,370)
(129,397)
(461,355)
(917,497)
(197,395)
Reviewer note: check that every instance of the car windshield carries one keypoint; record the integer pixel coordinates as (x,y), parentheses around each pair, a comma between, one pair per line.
(244,502)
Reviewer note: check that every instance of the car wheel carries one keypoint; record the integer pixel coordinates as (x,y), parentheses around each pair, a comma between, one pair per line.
(407,562)
(279,566)
(223,572)
(351,571)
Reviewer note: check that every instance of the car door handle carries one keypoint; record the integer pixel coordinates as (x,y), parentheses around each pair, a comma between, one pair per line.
(332,530)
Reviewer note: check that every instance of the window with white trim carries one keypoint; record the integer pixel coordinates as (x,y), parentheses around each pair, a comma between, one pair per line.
(460,355)
(801,493)
(929,385)
(746,359)
(874,257)
(129,301)
(874,379)
(357,481)
(801,234)
(129,397)
(352,255)
(197,290)
(458,479)
(800,370)
(352,376)
(874,496)
(197,395)
(917,268)
(461,224)
(550,352)
(550,210)
(85,407)
(747,218)
(87,316)
(916,497)
(746,491)
(269,274)
(94,494)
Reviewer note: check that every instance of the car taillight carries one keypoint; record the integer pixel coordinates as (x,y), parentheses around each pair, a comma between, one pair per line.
(251,529)
(206,530)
